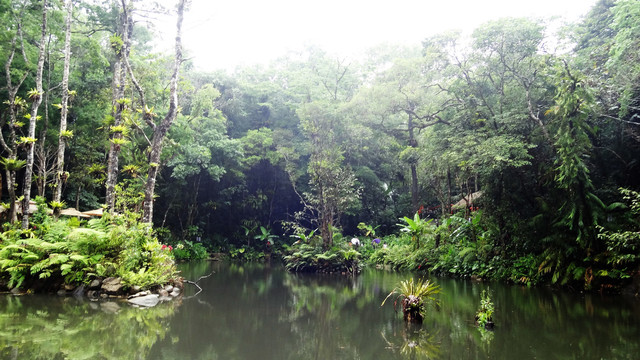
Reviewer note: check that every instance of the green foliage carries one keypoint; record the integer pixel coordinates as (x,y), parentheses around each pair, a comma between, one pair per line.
(416,227)
(582,208)
(26,140)
(68,134)
(116,43)
(188,251)
(265,237)
(621,255)
(34,94)
(484,315)
(414,295)
(305,257)
(368,230)
(525,270)
(111,246)
(120,129)
(12,164)
(57,205)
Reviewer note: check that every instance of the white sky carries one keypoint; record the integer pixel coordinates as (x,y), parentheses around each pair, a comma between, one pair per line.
(226,33)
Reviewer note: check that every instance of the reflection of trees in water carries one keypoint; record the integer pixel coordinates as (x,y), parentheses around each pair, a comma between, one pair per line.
(234,317)
(314,314)
(340,318)
(67,328)
(412,342)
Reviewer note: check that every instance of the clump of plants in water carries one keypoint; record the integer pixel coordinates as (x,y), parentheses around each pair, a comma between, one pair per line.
(414,296)
(484,316)
(308,255)
(57,251)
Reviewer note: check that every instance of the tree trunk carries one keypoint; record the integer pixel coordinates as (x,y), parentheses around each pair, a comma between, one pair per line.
(37,100)
(448,191)
(15,106)
(118,105)
(414,168)
(414,188)
(326,221)
(41,151)
(65,103)
(11,190)
(160,131)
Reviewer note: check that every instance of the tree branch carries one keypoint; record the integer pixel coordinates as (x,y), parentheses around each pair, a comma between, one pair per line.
(195,283)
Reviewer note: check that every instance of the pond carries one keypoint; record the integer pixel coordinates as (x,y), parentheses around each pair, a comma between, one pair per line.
(263,312)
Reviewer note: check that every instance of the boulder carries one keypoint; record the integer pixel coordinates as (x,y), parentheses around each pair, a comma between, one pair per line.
(146,301)
(17,291)
(79,291)
(138,294)
(112,285)
(95,284)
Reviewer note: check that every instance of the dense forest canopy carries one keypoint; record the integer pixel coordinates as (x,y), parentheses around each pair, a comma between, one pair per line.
(542,126)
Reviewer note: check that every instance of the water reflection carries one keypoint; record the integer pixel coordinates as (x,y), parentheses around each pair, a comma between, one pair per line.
(49,327)
(263,312)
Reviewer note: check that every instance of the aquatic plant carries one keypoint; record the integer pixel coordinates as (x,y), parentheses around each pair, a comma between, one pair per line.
(413,297)
(484,316)
(308,258)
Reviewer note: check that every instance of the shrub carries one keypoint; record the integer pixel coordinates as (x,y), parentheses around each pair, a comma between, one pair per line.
(62,249)
(187,251)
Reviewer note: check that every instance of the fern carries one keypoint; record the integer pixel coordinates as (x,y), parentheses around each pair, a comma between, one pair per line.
(468,253)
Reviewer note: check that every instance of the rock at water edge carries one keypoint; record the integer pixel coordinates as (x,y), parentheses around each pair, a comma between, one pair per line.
(147,301)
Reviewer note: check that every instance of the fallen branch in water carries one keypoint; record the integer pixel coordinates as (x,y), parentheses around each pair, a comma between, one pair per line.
(195,283)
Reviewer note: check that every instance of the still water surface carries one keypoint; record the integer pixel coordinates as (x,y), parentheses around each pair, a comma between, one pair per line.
(263,312)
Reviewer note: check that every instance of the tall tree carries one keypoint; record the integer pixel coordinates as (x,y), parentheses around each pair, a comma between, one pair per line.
(160,130)
(16,105)
(120,42)
(332,182)
(35,95)
(57,195)
(403,101)
(581,208)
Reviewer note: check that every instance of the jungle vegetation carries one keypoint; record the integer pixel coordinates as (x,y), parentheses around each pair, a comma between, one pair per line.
(508,154)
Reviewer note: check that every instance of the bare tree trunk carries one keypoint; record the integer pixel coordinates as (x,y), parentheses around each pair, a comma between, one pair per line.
(15,106)
(160,131)
(119,77)
(414,171)
(41,151)
(37,100)
(193,207)
(326,219)
(57,195)
(448,191)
